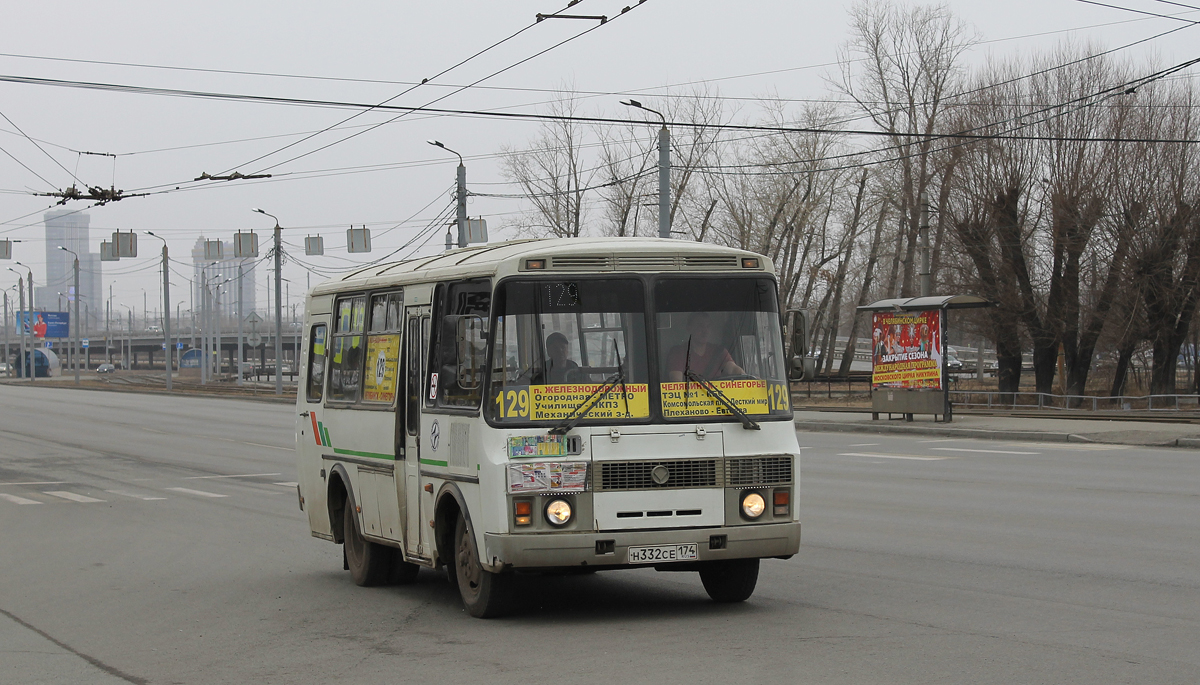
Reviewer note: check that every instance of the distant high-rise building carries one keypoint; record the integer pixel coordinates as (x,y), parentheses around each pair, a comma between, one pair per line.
(70,229)
(218,271)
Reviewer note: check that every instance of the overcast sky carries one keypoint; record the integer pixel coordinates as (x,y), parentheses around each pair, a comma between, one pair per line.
(369,52)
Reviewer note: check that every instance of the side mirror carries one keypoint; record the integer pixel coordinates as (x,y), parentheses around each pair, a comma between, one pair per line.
(799,323)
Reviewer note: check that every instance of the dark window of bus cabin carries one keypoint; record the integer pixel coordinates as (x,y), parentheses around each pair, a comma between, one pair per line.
(382,374)
(459,347)
(346,356)
(316,362)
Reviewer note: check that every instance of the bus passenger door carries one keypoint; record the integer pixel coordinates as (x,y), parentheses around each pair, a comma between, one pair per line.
(416,344)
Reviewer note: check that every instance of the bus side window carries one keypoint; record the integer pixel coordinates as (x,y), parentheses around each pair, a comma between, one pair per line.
(316,362)
(346,367)
(459,349)
(413,352)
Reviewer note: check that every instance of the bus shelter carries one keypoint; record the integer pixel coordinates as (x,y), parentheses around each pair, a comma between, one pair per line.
(908,354)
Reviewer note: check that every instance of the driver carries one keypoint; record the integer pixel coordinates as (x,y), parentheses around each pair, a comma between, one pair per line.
(708,359)
(557,364)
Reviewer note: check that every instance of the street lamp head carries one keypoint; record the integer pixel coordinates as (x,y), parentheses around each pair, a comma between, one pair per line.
(631,103)
(256,209)
(437,143)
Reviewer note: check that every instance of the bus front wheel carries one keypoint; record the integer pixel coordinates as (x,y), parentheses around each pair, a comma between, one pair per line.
(368,562)
(730,580)
(484,594)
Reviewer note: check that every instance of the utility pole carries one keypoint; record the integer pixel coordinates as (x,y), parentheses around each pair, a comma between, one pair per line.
(664,170)
(8,371)
(166,307)
(460,194)
(279,300)
(923,233)
(21,328)
(74,350)
(239,326)
(31,371)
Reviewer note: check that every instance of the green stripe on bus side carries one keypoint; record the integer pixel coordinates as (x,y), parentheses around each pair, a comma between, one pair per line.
(433,462)
(355,453)
(325,435)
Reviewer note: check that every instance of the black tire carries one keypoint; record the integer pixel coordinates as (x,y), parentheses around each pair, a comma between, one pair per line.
(484,594)
(732,580)
(369,562)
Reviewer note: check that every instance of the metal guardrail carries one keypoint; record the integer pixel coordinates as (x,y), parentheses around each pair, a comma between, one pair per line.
(993,399)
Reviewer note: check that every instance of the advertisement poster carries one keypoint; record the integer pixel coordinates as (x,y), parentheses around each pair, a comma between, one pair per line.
(556,402)
(547,477)
(46,324)
(383,358)
(751,396)
(906,349)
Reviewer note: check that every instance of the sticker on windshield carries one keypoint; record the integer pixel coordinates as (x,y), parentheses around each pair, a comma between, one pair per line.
(751,396)
(557,402)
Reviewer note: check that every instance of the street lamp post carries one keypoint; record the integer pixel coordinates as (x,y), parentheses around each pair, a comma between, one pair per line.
(166,306)
(75,316)
(128,336)
(278,303)
(664,171)
(31,370)
(8,369)
(20,324)
(460,195)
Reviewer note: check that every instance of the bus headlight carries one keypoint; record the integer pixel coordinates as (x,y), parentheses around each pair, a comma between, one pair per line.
(558,512)
(753,505)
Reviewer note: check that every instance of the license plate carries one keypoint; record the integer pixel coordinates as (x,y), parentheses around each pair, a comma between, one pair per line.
(653,554)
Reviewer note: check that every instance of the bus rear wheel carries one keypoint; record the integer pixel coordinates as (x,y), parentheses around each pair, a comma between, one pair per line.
(484,594)
(731,580)
(369,563)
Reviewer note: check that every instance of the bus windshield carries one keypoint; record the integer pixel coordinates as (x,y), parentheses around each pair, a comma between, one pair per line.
(558,344)
(719,339)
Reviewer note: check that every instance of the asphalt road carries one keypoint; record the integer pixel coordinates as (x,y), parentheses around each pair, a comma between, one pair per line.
(154,539)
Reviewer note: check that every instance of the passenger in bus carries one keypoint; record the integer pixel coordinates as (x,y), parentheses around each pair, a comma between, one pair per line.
(705,358)
(558,367)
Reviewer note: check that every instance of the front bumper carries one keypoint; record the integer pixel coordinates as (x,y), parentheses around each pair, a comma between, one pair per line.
(551,550)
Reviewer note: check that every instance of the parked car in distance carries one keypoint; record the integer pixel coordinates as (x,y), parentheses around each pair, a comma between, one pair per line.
(106,368)
(953,364)
(5,368)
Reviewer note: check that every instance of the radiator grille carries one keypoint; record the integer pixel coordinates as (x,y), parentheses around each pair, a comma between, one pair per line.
(639,475)
(758,471)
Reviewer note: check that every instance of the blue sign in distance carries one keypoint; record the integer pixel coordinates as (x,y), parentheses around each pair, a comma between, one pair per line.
(179,346)
(49,344)
(84,342)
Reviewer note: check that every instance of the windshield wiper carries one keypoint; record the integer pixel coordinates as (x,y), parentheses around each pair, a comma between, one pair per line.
(576,414)
(747,422)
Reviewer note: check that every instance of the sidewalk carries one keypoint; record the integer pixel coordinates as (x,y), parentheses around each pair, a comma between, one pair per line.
(1049,429)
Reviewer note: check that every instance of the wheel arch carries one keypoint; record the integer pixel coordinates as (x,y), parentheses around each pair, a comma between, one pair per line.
(340,493)
(448,504)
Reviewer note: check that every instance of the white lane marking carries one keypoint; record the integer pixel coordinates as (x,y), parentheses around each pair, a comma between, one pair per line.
(198,493)
(236,475)
(964,449)
(806,448)
(946,440)
(864,444)
(890,456)
(83,499)
(18,500)
(288,485)
(39,482)
(274,447)
(135,496)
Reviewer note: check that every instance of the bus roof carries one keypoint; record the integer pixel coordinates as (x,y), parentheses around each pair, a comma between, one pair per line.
(561,255)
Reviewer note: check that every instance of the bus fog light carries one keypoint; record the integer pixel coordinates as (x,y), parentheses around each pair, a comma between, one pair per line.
(523,512)
(753,505)
(780,499)
(558,512)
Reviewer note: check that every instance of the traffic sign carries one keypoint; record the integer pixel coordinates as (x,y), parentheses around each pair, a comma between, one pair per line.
(254,339)
(84,342)
(49,344)
(164,346)
(179,346)
(254,318)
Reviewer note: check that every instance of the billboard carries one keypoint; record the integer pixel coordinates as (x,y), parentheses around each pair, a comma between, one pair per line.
(46,324)
(906,349)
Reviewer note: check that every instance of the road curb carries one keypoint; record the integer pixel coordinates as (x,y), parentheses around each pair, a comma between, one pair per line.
(978,433)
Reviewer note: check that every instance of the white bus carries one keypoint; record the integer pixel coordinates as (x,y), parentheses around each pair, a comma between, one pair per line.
(586,404)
